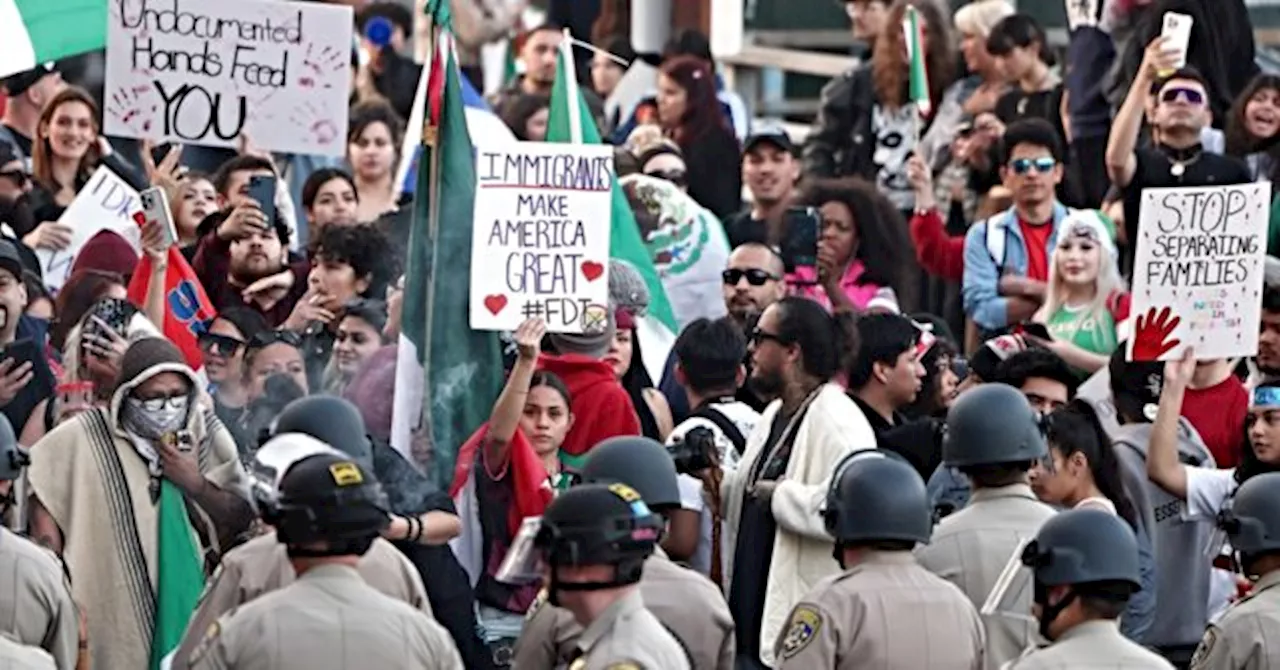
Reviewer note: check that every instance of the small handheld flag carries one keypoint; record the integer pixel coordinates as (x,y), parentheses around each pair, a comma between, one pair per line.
(913,31)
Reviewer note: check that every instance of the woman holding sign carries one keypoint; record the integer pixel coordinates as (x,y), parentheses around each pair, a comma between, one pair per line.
(1085,302)
(66,151)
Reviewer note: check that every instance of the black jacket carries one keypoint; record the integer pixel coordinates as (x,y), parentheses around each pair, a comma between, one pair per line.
(842,143)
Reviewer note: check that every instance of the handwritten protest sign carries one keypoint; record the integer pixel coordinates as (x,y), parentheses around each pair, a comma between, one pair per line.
(201,72)
(1197,274)
(540,238)
(106,202)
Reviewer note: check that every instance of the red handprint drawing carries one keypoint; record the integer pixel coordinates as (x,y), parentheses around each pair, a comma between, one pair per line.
(317,66)
(130,108)
(320,126)
(1151,334)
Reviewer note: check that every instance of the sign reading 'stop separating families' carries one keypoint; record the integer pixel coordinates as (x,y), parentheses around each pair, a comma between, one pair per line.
(205,71)
(540,238)
(1198,271)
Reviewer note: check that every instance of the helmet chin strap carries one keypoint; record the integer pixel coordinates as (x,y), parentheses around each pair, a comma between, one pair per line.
(1049,613)
(627,573)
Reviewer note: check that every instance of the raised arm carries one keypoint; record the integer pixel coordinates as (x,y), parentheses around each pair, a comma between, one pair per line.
(1163,466)
(505,419)
(1122,161)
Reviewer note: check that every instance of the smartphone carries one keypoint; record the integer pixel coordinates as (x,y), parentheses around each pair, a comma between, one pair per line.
(27,351)
(155,208)
(800,238)
(1177,29)
(1035,330)
(263,190)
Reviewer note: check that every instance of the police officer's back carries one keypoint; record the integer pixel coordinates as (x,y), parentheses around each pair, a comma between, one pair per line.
(993,436)
(1085,566)
(329,511)
(1248,635)
(884,610)
(35,599)
(687,603)
(594,539)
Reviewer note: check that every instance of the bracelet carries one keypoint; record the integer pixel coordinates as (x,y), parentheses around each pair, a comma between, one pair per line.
(417,530)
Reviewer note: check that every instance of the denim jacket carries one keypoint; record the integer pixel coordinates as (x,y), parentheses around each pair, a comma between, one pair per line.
(992,248)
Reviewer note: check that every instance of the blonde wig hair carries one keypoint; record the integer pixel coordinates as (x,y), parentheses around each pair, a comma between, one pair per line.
(1086,224)
(978,18)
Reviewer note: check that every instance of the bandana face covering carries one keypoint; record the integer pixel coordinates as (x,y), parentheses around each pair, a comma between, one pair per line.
(153,418)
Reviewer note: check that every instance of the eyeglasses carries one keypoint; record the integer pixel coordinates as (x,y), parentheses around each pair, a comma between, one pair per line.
(174,402)
(220,345)
(1190,95)
(18,177)
(677,177)
(1021,166)
(758,336)
(755,276)
(267,338)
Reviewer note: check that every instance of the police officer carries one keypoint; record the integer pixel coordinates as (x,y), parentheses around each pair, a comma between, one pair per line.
(35,599)
(1248,635)
(1085,566)
(686,602)
(328,513)
(262,565)
(877,509)
(594,539)
(993,437)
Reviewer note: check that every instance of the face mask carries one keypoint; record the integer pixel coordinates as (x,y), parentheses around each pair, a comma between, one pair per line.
(155,418)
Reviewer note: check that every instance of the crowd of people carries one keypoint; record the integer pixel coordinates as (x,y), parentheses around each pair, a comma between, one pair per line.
(914,443)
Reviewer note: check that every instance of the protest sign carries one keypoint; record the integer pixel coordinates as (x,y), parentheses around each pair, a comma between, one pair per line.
(106,202)
(1198,271)
(540,236)
(204,72)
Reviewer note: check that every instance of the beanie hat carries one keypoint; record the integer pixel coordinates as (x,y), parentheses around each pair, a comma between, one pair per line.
(107,252)
(627,290)
(592,345)
(145,354)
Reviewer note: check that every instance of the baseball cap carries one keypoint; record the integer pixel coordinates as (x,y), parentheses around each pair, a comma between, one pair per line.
(1135,385)
(774,135)
(17,84)
(9,258)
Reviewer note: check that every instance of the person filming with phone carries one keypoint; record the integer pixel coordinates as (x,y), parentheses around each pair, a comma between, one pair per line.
(25,379)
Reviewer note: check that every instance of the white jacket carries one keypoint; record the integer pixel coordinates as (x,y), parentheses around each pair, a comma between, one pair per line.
(831,428)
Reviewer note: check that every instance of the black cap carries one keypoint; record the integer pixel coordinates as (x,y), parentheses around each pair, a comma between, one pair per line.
(17,84)
(774,135)
(9,258)
(1135,385)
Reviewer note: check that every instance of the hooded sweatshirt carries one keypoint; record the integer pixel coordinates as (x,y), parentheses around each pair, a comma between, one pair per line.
(601,407)
(1183,564)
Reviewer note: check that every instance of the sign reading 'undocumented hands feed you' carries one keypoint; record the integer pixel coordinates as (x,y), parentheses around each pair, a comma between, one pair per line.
(1198,271)
(205,71)
(540,238)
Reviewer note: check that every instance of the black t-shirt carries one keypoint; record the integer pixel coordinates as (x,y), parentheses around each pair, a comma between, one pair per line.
(742,228)
(1018,104)
(1154,170)
(19,140)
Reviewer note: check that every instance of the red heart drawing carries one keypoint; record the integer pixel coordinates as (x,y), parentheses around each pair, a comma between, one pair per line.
(140,218)
(592,270)
(495,303)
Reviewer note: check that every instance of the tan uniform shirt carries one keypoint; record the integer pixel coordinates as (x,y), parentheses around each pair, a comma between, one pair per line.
(1092,645)
(1248,635)
(683,600)
(14,656)
(627,636)
(970,549)
(886,613)
(261,566)
(35,599)
(328,619)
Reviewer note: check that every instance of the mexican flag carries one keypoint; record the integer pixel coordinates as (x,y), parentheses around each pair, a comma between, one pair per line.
(914,34)
(187,310)
(570,121)
(38,31)
(447,375)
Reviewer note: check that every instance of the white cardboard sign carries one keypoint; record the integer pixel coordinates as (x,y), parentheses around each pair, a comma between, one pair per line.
(203,72)
(1198,271)
(540,236)
(106,202)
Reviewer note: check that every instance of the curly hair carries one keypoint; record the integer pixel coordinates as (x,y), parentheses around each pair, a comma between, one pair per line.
(890,72)
(883,245)
(364,248)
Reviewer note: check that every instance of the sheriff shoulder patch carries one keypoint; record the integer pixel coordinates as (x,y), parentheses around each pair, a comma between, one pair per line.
(802,628)
(1201,657)
(537,604)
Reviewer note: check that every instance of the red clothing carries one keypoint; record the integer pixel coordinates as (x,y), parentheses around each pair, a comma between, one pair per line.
(939,254)
(1218,414)
(528,480)
(1037,239)
(601,407)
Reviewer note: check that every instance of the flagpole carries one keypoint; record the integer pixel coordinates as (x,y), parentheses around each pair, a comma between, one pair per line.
(431,146)
(571,87)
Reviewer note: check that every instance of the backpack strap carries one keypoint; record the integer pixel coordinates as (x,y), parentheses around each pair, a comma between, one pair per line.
(726,426)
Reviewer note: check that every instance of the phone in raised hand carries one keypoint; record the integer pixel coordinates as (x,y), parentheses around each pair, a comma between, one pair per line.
(263,190)
(155,209)
(1177,30)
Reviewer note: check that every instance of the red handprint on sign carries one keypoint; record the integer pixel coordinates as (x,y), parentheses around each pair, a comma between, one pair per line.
(1151,334)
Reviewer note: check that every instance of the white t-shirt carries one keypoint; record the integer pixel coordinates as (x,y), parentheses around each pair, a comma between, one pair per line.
(692,497)
(1207,492)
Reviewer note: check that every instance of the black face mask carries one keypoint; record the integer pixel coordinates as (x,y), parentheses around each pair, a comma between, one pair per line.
(17,213)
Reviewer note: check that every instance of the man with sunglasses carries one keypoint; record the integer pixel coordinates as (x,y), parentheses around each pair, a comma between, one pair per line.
(1006,257)
(1176,158)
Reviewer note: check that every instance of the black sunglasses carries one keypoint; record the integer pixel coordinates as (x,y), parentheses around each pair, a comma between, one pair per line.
(755,276)
(267,338)
(758,336)
(17,176)
(220,345)
(677,177)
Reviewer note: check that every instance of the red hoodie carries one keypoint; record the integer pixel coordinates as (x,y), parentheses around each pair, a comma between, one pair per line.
(601,407)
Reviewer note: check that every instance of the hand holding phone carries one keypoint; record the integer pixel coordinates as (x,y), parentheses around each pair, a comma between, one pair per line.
(156,212)
(263,190)
(1177,30)
(800,238)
